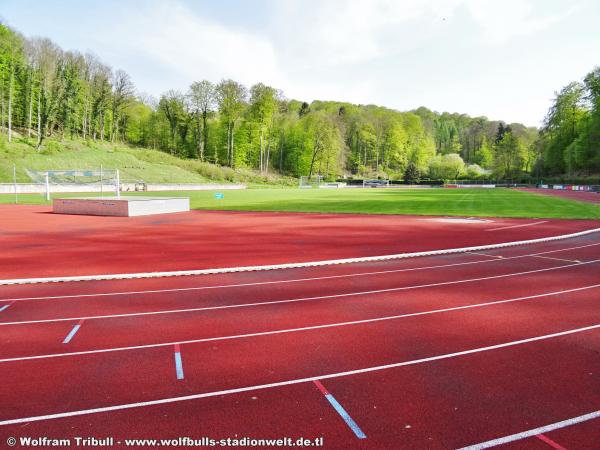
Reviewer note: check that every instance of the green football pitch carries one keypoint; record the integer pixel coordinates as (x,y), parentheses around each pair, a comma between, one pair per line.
(435,201)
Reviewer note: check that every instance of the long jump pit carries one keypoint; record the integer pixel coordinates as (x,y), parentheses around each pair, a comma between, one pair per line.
(120,206)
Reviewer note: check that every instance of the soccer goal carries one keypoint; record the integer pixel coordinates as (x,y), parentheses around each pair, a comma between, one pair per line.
(310,182)
(102,181)
(376,183)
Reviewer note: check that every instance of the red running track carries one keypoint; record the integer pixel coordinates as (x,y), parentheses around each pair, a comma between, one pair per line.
(408,348)
(582,196)
(36,243)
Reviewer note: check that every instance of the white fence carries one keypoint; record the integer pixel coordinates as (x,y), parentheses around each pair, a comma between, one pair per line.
(34,188)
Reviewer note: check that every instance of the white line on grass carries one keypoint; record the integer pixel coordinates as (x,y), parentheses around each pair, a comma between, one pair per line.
(295,280)
(518,226)
(534,431)
(180,273)
(163,401)
(293,330)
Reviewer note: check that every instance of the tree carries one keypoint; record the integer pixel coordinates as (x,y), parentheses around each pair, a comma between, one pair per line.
(508,156)
(412,174)
(122,95)
(484,156)
(48,62)
(304,109)
(11,54)
(172,105)
(446,167)
(502,129)
(202,96)
(100,98)
(322,143)
(231,97)
(561,127)
(263,104)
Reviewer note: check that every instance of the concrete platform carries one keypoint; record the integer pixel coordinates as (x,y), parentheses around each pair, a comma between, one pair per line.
(123,206)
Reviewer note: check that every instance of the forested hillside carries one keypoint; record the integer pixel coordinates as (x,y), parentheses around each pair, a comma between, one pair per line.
(569,142)
(47,91)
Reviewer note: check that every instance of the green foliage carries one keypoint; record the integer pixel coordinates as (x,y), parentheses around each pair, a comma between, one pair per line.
(474,171)
(509,156)
(412,174)
(446,167)
(55,94)
(569,142)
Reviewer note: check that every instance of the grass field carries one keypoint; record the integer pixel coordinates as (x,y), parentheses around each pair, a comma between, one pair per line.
(452,202)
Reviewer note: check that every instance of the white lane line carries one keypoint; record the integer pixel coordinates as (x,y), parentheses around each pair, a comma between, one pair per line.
(73,332)
(293,330)
(163,401)
(559,259)
(329,262)
(485,254)
(341,411)
(295,300)
(534,431)
(518,226)
(296,280)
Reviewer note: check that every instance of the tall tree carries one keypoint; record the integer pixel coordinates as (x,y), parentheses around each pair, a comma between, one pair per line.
(202,96)
(263,104)
(508,155)
(231,97)
(172,105)
(122,95)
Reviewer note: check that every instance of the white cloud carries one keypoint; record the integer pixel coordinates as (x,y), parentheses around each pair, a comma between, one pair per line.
(196,48)
(401,54)
(502,21)
(331,32)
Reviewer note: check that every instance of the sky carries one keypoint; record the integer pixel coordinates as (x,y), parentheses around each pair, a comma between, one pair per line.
(499,59)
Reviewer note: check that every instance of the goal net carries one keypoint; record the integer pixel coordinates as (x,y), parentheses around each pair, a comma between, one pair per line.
(310,182)
(376,183)
(103,181)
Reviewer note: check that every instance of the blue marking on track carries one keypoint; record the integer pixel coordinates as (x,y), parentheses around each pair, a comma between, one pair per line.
(349,421)
(2,308)
(71,334)
(178,366)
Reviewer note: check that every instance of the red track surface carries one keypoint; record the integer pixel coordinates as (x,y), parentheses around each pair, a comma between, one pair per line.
(582,196)
(401,311)
(36,243)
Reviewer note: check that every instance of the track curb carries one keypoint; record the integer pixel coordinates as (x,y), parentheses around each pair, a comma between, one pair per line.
(330,262)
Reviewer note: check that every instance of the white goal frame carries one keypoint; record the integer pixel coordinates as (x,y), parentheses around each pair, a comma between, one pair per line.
(78,181)
(376,183)
(306,182)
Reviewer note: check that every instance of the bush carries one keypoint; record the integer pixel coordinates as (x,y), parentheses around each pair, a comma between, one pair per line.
(51,148)
(412,174)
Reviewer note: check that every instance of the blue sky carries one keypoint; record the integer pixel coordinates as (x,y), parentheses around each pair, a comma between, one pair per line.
(503,59)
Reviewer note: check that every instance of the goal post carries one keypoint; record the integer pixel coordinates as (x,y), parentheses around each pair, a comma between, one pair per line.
(376,183)
(101,181)
(307,182)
